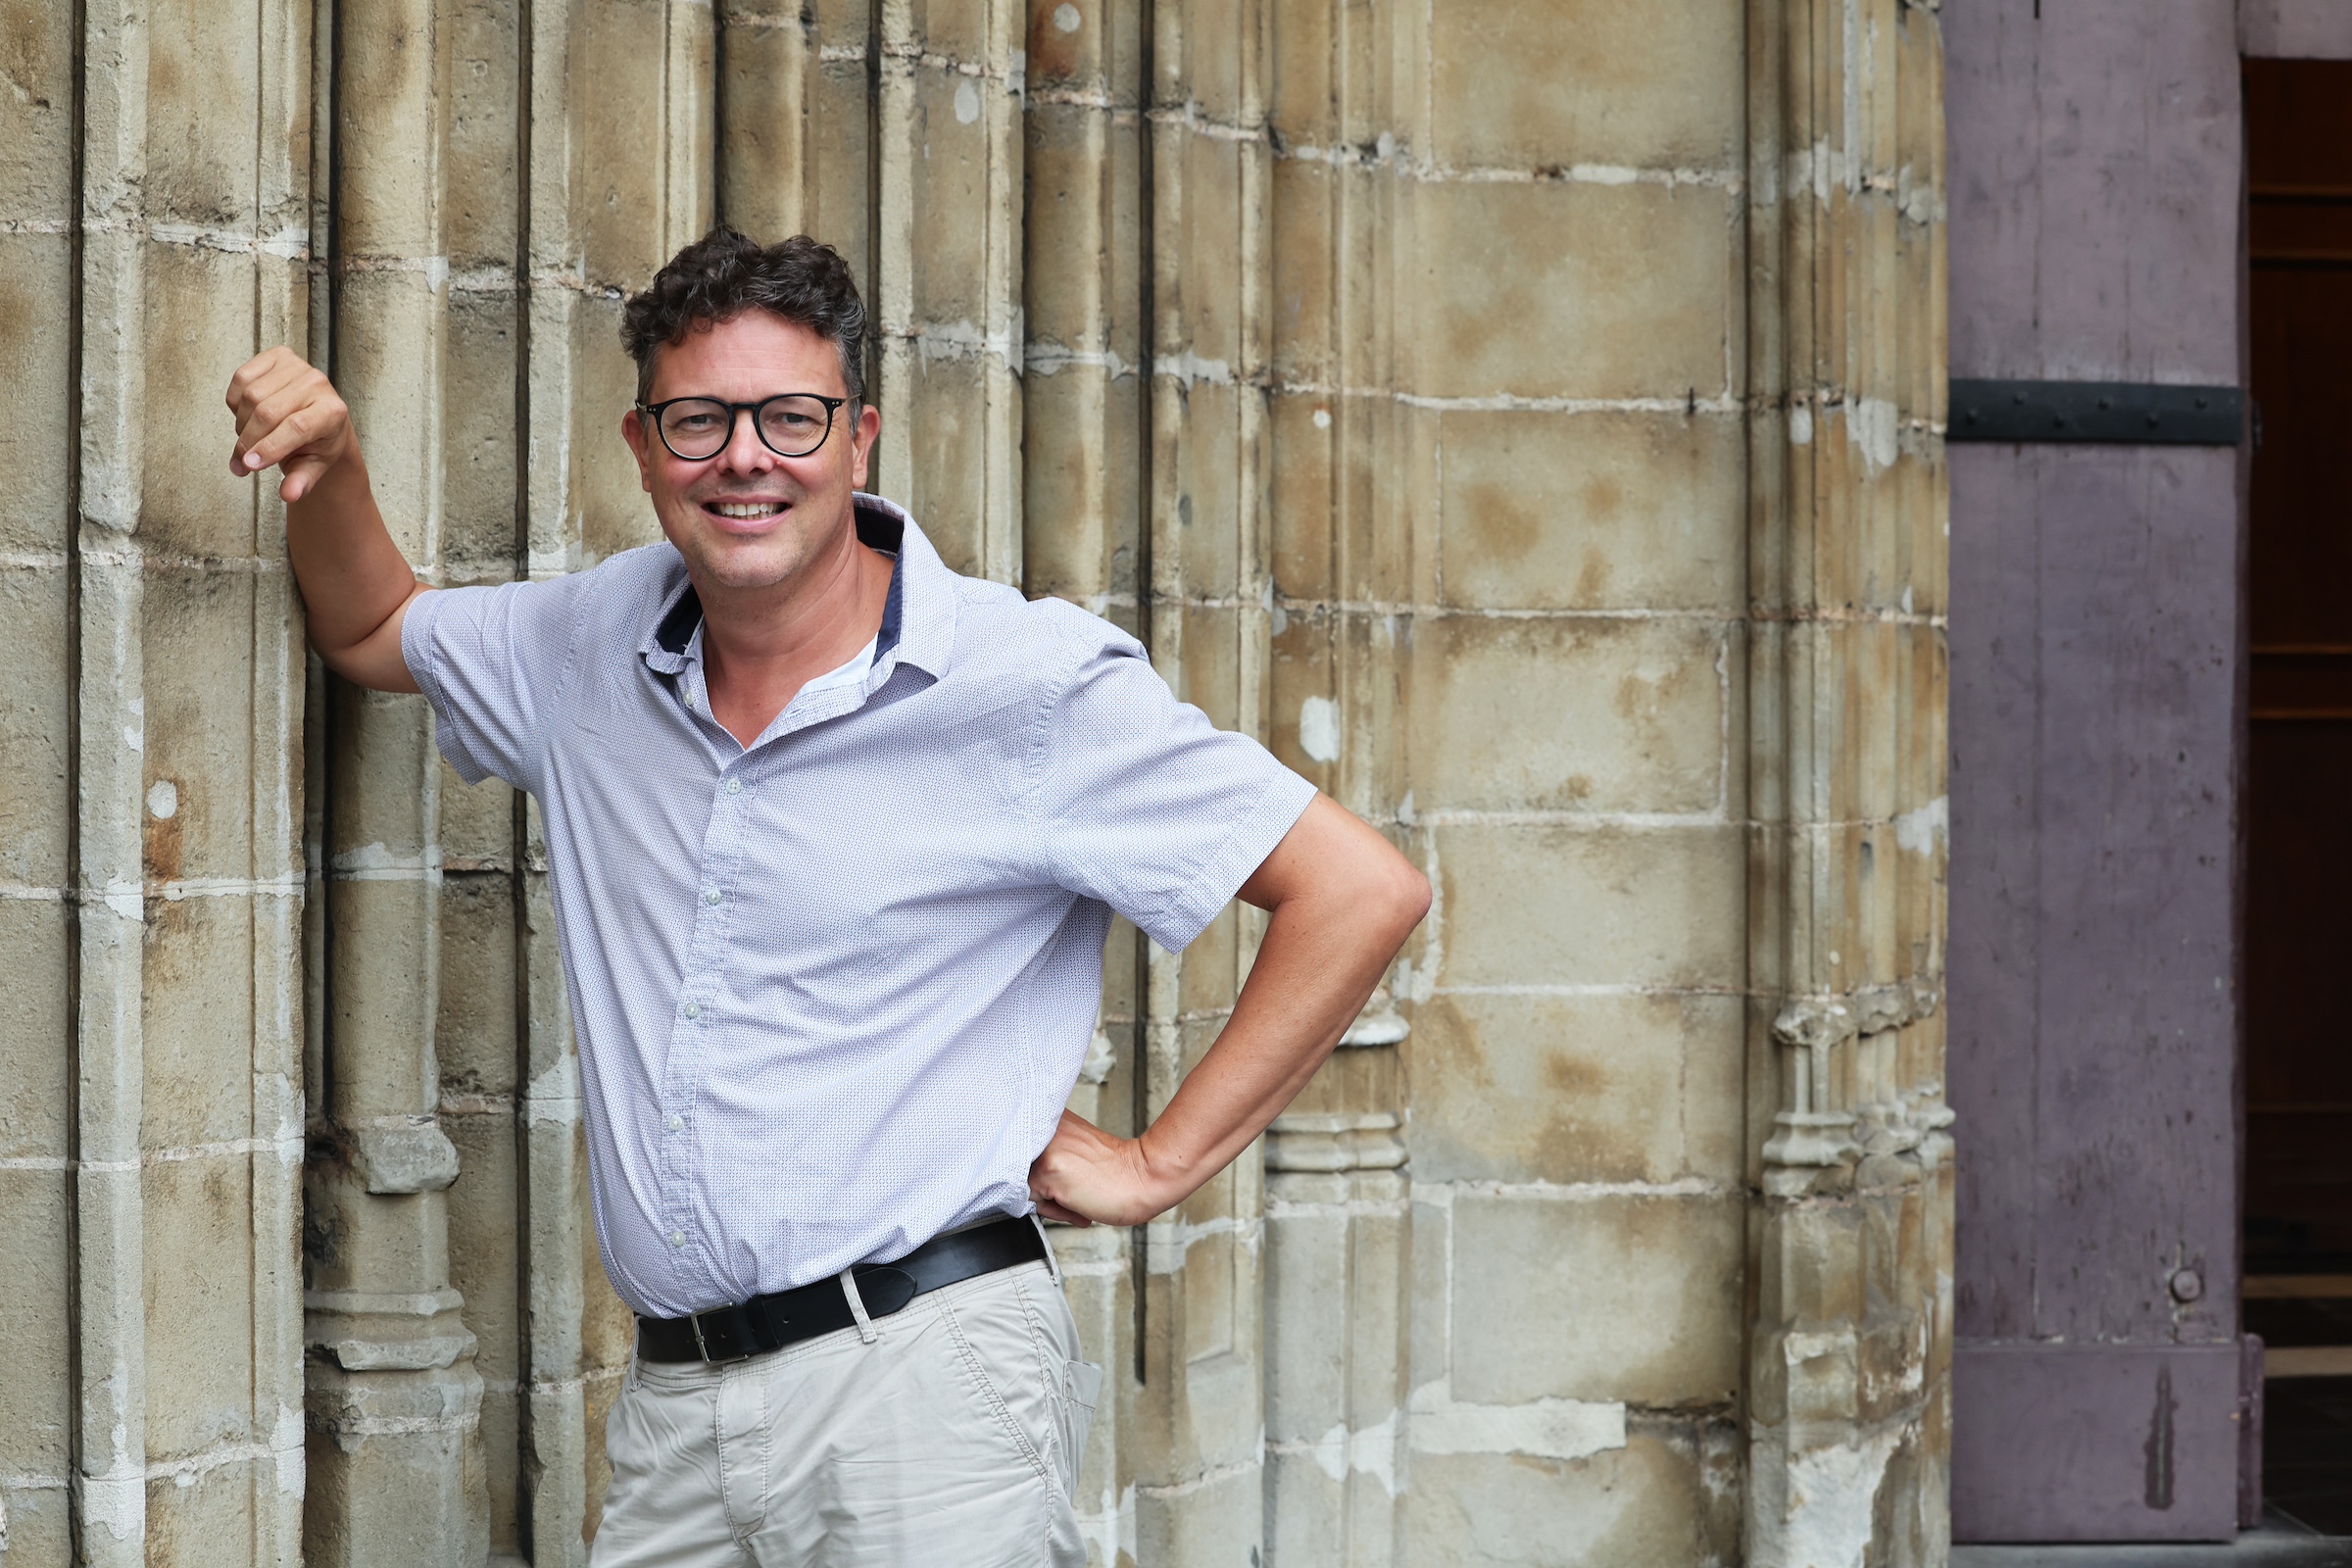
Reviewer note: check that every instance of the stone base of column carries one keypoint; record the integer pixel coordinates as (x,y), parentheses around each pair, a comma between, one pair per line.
(395,1456)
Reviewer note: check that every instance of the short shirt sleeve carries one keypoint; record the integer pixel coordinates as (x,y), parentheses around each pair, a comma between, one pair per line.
(492,662)
(1149,806)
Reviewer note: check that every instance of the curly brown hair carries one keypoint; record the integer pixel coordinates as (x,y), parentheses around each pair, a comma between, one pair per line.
(725,274)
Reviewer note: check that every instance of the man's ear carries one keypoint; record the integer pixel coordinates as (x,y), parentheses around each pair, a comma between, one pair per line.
(633,430)
(862,443)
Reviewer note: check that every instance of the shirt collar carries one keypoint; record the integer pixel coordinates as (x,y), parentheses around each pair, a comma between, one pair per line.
(918,619)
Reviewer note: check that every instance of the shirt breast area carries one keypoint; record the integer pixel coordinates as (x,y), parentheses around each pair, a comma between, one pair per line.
(830,993)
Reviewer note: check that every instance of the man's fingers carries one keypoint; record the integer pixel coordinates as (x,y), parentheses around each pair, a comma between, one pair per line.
(1054,1212)
(241,382)
(263,374)
(300,473)
(281,440)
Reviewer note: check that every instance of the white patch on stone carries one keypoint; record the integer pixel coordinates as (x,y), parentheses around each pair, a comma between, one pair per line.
(1385,145)
(1544,1429)
(1872,425)
(1907,599)
(1372,1451)
(1800,427)
(163,797)
(967,102)
(1320,729)
(1832,1498)
(1322,419)
(1066,17)
(1100,1059)
(1921,830)
(133,738)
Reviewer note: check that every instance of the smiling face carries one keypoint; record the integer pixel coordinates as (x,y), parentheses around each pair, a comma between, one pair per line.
(748,518)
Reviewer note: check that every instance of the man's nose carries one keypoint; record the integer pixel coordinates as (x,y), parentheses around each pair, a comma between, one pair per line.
(745,451)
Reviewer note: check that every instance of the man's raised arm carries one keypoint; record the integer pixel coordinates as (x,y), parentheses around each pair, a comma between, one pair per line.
(1343,902)
(355,586)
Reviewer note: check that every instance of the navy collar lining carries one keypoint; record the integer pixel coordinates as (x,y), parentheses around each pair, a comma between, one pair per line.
(876,529)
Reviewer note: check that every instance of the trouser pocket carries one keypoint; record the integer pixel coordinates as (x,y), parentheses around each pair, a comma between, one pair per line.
(1081,1386)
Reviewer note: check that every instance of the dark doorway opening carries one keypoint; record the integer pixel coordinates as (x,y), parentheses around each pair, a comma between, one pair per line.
(2298,889)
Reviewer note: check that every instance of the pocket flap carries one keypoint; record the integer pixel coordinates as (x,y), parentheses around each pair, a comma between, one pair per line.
(1084,1383)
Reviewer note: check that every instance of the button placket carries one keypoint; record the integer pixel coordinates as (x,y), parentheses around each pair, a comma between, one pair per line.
(707,954)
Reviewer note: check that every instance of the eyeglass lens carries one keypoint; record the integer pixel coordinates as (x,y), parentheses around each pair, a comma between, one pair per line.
(792,425)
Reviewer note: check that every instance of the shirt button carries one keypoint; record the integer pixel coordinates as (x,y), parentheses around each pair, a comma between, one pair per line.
(734,786)
(711,897)
(694,1009)
(677,1123)
(677,1237)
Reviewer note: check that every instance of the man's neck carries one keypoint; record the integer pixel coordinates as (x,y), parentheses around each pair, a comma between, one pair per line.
(762,645)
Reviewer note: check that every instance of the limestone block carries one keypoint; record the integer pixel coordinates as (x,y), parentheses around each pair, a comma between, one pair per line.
(33,730)
(1593,511)
(1567,289)
(613,511)
(1657,88)
(1303,232)
(1578,1088)
(1206,1522)
(1594,905)
(40,1527)
(1619,1296)
(199,807)
(36,170)
(485,1267)
(202,94)
(476,1026)
(35,1396)
(1208,670)
(479,441)
(34,1096)
(478,826)
(199,1307)
(1581,715)
(197,1518)
(200,329)
(395,1469)
(952,193)
(946,422)
(1079,464)
(34,339)
(199,1022)
(1638,1506)
(1199,192)
(478,207)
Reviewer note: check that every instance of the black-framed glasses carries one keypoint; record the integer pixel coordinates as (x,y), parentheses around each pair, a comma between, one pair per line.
(791,425)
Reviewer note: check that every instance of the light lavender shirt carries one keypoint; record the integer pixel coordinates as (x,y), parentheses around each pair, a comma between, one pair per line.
(831,990)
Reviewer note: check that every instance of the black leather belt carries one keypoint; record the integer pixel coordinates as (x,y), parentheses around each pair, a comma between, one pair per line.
(771,1322)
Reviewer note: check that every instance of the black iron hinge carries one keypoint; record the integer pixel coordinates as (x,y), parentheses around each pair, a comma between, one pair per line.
(2140,414)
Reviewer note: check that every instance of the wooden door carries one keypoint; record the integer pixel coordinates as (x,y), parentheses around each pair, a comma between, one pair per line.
(2095,637)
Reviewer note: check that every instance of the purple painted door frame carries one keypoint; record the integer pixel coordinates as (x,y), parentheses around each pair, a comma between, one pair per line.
(2097,735)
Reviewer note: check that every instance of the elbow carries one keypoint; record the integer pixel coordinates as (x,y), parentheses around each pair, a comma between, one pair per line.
(1404,899)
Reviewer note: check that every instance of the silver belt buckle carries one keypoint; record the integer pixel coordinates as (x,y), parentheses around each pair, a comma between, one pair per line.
(704,1351)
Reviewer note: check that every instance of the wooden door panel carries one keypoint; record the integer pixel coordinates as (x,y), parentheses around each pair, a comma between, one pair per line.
(2145,1436)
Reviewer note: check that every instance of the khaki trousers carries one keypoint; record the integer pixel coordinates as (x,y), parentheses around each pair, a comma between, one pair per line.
(949,1439)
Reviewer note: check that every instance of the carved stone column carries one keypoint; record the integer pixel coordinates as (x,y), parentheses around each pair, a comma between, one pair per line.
(1849,1350)
(1338,1245)
(394,1400)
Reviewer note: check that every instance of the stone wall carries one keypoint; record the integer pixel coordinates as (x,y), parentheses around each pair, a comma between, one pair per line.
(1522,414)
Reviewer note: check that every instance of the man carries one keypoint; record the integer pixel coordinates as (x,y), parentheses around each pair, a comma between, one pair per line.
(835,836)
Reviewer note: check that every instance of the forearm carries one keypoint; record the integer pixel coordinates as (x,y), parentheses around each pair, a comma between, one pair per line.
(354,578)
(1343,902)
(1320,960)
